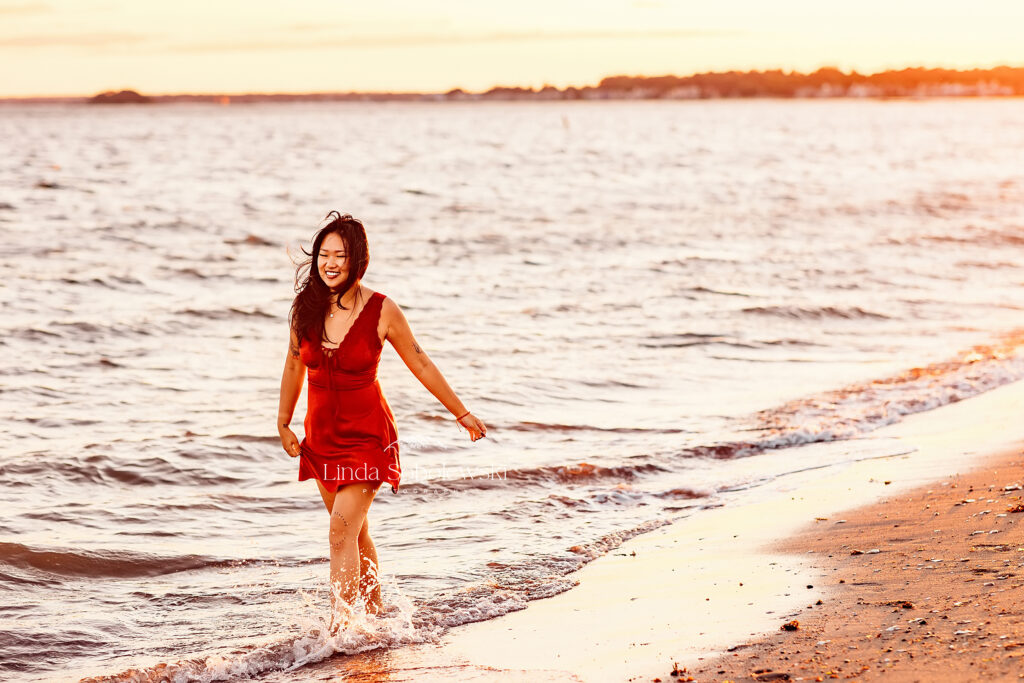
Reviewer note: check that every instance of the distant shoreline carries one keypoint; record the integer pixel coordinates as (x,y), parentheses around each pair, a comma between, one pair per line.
(827,82)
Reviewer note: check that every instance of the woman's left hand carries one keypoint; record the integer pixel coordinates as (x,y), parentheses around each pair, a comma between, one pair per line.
(477,429)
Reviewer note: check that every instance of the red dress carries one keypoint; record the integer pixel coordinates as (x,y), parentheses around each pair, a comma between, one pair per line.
(351,434)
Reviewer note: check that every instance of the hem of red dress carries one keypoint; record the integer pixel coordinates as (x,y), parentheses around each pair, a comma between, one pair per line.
(338,483)
(304,474)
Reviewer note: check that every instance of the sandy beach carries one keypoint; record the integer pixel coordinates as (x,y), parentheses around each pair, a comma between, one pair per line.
(897,565)
(924,582)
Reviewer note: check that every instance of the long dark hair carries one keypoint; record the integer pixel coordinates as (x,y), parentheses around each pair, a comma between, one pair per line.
(313,297)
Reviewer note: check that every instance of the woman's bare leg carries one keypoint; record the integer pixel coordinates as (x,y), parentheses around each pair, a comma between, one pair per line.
(369,572)
(328,496)
(369,576)
(351,503)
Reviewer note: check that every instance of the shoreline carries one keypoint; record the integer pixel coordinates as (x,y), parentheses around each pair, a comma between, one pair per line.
(685,593)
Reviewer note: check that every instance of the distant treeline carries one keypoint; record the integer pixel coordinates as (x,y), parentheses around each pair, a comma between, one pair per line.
(825,82)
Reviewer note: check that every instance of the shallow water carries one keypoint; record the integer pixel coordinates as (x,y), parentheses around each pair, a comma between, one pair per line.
(654,306)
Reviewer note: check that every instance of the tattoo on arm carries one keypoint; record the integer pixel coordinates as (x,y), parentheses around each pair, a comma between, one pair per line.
(417,347)
(293,349)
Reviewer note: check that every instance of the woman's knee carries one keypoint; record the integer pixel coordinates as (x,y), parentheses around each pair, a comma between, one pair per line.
(340,532)
(348,518)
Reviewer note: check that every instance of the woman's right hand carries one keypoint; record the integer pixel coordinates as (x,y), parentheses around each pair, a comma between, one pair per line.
(289,441)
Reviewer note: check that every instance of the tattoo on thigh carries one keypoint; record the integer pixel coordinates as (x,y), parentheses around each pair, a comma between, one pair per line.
(341,517)
(338,543)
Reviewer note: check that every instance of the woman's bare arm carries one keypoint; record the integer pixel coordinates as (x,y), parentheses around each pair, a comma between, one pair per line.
(416,359)
(291,387)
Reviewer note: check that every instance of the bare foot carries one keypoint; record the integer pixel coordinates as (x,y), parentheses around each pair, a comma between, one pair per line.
(342,614)
(339,622)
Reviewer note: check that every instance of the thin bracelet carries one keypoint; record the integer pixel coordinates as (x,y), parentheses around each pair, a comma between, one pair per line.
(464,415)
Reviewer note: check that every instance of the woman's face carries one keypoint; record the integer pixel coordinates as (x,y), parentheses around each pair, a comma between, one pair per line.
(332,261)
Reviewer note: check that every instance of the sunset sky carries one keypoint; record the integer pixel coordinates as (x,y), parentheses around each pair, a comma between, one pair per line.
(80,47)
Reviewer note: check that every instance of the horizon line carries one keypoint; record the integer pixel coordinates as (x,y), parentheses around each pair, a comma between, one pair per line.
(412,93)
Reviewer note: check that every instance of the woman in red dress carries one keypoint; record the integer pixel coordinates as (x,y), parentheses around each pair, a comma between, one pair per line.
(337,332)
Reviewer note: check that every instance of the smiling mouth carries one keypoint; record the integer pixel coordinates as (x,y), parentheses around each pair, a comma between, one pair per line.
(332,273)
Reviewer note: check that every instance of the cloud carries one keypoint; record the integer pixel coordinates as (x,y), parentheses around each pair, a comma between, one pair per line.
(150,43)
(99,39)
(25,8)
(436,39)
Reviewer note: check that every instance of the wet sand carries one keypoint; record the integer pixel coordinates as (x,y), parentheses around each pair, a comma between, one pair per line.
(923,586)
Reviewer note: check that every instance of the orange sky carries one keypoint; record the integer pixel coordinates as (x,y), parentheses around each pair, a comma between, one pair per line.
(80,47)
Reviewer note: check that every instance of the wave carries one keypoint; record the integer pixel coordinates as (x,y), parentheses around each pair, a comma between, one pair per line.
(79,331)
(986,265)
(843,413)
(252,438)
(224,313)
(33,334)
(864,407)
(708,290)
(392,628)
(669,341)
(681,493)
(683,339)
(86,331)
(527,426)
(610,383)
(104,469)
(973,235)
(816,312)
(109,281)
(107,563)
(942,203)
(560,475)
(253,240)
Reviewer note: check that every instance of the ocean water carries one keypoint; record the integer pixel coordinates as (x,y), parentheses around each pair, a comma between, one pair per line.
(656,307)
